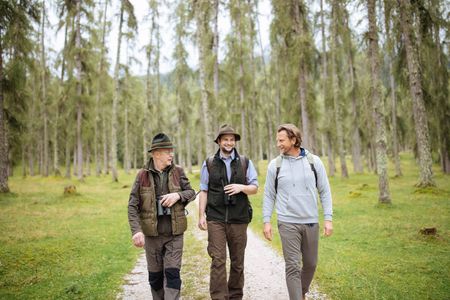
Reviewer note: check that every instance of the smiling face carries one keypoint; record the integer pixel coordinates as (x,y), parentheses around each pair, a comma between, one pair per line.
(286,145)
(227,142)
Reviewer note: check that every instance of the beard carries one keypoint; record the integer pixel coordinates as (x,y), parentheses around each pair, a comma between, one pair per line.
(226,151)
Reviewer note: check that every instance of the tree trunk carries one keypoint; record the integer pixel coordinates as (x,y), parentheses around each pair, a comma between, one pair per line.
(330,155)
(216,50)
(44,93)
(88,162)
(337,104)
(67,159)
(75,157)
(126,158)
(202,39)
(114,121)
(79,92)
(148,92)
(356,138)
(4,187)
(302,78)
(188,151)
(395,147)
(105,142)
(378,105)
(415,84)
(98,167)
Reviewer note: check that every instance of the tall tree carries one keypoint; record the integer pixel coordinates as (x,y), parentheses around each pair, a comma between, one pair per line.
(79,89)
(4,188)
(44,100)
(100,88)
(126,7)
(415,83)
(326,94)
(388,9)
(336,58)
(202,11)
(378,105)
(15,26)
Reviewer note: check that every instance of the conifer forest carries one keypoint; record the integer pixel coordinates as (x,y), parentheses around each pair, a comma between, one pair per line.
(86,84)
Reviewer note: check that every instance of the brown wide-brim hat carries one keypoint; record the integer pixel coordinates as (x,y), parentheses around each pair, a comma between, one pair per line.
(227,129)
(161,141)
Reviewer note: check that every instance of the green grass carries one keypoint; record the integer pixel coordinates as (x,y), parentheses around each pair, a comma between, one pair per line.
(78,247)
(376,251)
(64,247)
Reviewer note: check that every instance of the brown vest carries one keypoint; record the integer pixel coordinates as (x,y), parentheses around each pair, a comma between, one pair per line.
(148,215)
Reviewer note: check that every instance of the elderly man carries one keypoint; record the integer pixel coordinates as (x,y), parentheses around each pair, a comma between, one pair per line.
(156,214)
(226,180)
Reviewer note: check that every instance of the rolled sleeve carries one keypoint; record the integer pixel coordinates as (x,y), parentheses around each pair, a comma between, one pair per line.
(204,177)
(252,175)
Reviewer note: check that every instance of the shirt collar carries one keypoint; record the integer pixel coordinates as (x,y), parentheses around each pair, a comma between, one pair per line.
(232,156)
(301,154)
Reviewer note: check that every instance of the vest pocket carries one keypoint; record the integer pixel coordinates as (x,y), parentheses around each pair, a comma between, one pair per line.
(148,224)
(179,220)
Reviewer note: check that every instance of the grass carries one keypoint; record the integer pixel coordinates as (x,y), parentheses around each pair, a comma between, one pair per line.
(78,247)
(376,251)
(64,247)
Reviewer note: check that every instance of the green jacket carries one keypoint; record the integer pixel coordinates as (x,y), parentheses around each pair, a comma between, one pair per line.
(142,209)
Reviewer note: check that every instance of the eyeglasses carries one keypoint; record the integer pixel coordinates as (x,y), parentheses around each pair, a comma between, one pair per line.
(167,151)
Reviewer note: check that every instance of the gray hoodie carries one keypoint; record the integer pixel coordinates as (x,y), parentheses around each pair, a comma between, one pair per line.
(296,199)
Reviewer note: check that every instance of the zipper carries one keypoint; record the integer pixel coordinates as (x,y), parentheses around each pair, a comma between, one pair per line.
(226,213)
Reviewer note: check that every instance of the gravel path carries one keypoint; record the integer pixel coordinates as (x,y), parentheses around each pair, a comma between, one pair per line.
(264,273)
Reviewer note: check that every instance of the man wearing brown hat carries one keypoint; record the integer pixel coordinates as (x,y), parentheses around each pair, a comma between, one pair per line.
(224,210)
(156,214)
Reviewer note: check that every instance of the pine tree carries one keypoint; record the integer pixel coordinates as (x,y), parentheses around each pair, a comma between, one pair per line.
(378,105)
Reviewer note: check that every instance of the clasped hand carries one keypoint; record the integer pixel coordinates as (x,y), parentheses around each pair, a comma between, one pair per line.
(169,199)
(233,189)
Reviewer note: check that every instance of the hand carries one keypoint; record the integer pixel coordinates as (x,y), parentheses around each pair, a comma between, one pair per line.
(139,239)
(170,199)
(233,189)
(328,228)
(202,224)
(268,231)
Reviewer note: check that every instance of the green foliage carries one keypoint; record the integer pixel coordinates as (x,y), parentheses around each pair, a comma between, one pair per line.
(377,251)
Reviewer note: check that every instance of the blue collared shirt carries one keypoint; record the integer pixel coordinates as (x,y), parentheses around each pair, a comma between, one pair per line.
(252,176)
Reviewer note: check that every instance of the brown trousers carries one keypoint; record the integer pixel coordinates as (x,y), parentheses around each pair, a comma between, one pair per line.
(219,236)
(164,254)
(299,242)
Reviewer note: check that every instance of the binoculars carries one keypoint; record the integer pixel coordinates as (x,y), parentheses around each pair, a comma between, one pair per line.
(229,200)
(162,210)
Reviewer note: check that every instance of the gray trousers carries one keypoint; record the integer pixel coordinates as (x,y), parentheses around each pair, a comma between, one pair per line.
(300,243)
(164,262)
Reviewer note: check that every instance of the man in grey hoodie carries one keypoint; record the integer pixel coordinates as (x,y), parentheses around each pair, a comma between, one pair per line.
(292,182)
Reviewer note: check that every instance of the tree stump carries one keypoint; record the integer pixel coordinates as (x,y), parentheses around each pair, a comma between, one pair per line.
(70,190)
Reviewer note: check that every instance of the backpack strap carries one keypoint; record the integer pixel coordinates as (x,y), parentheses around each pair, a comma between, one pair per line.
(209,162)
(278,166)
(310,159)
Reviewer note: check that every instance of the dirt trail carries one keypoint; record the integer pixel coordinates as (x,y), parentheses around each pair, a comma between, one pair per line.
(264,272)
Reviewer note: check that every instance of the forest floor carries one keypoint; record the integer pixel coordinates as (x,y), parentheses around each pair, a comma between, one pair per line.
(264,271)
